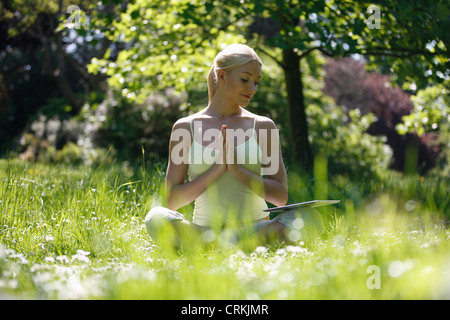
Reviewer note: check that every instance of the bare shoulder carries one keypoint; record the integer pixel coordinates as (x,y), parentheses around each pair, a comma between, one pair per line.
(186,122)
(183,123)
(263,122)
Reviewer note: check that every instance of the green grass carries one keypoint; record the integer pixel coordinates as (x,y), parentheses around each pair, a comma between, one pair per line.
(78,233)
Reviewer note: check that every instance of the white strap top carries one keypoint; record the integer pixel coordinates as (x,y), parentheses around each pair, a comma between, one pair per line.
(227,201)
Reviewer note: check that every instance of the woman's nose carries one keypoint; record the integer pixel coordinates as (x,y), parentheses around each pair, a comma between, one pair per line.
(252,87)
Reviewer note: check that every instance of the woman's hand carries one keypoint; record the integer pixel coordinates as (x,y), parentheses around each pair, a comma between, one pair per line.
(231,158)
(226,157)
(221,159)
(273,187)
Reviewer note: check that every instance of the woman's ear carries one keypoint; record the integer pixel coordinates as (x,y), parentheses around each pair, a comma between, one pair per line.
(221,76)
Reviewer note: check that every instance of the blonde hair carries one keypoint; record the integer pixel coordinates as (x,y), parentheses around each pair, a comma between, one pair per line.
(233,56)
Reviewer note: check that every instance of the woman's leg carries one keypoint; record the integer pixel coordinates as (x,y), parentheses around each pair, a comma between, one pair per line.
(169,228)
(157,217)
(272,233)
(304,224)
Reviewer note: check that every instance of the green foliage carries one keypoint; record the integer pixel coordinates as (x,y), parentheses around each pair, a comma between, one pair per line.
(431,111)
(172,43)
(57,106)
(343,139)
(164,48)
(339,133)
(431,116)
(411,42)
(59,139)
(132,128)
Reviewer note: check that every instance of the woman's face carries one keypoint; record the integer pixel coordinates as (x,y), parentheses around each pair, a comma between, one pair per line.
(242,82)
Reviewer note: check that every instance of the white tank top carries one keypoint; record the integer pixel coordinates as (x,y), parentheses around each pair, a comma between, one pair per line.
(227,201)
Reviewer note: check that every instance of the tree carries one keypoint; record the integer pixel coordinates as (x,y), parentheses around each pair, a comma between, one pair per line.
(341,28)
(43,67)
(173,43)
(347,81)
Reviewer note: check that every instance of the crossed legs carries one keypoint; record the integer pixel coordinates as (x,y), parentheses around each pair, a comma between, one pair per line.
(168,227)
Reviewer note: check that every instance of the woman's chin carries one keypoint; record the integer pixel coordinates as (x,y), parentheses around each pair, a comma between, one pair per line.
(244,104)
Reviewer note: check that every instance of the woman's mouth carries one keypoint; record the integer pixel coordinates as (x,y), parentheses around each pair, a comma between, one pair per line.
(247,96)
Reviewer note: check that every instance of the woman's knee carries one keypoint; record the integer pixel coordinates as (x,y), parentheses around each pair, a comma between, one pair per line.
(158,217)
(304,224)
(272,232)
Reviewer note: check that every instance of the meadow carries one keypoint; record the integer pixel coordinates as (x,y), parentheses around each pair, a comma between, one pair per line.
(78,233)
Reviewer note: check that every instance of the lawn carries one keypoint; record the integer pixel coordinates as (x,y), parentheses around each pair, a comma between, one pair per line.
(78,233)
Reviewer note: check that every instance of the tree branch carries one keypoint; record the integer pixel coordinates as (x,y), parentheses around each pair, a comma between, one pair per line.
(320,48)
(277,61)
(400,52)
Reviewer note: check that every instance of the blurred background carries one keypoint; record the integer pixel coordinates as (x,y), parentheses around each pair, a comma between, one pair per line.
(363,85)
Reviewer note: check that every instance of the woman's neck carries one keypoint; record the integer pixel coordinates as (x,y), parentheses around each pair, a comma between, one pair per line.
(221,107)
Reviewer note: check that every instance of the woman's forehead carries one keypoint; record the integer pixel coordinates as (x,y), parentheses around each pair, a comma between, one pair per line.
(252,68)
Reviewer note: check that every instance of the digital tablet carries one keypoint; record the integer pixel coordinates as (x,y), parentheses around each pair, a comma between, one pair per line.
(313,204)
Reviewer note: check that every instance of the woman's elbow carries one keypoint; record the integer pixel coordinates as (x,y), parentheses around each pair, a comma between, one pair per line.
(281,199)
(172,203)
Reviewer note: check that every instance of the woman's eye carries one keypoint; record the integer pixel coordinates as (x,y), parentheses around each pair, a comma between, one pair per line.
(246,80)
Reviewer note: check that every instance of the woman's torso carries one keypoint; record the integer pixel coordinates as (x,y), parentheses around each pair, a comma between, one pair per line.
(226,201)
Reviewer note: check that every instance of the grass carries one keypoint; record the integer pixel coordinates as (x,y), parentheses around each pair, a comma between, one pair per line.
(78,233)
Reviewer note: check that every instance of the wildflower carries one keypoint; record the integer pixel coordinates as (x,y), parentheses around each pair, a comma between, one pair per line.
(81,256)
(149,260)
(63,259)
(49,259)
(261,250)
(296,249)
(2,252)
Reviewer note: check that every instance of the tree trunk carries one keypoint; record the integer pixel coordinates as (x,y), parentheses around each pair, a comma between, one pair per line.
(61,78)
(299,143)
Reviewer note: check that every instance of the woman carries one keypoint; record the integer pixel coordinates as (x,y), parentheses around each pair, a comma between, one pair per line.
(233,159)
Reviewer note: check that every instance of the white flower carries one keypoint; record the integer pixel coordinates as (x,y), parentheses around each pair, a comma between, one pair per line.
(49,259)
(261,250)
(63,259)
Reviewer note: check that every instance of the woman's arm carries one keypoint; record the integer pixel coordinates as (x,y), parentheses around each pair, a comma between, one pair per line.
(273,188)
(180,193)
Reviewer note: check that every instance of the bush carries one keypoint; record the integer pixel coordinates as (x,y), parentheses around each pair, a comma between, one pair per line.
(343,139)
(129,127)
(61,141)
(430,120)
(348,83)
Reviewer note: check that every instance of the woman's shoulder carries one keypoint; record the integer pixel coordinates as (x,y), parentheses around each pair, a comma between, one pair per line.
(182,123)
(263,122)
(185,122)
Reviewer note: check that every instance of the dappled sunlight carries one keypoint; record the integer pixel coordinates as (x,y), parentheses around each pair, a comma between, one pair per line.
(96,101)
(88,240)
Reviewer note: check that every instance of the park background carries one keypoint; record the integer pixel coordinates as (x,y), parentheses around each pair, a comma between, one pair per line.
(89,91)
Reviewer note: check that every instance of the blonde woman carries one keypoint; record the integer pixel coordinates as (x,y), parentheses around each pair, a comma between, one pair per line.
(232,158)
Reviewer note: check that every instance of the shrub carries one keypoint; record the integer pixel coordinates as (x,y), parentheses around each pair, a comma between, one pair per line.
(130,127)
(348,83)
(61,140)
(343,138)
(430,120)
